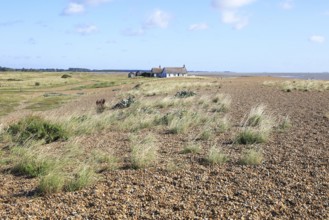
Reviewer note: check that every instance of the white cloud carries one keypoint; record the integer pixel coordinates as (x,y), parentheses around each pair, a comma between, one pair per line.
(317,39)
(96,2)
(230,14)
(231,4)
(74,8)
(287,4)
(158,19)
(86,29)
(234,19)
(133,32)
(198,27)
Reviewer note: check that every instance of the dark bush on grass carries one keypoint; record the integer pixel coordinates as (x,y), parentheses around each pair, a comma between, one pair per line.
(124,103)
(248,136)
(36,128)
(184,94)
(65,76)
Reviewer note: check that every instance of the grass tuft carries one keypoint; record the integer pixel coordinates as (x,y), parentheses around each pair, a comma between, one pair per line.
(85,177)
(143,153)
(192,148)
(216,157)
(251,157)
(36,128)
(51,183)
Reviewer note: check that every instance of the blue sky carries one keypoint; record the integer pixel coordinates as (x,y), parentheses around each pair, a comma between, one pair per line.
(211,35)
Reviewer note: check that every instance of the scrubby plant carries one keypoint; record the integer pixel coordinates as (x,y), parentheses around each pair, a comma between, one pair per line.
(257,126)
(85,177)
(36,128)
(65,76)
(193,148)
(251,136)
(53,182)
(206,134)
(184,94)
(216,157)
(29,164)
(143,152)
(251,157)
(37,83)
(284,123)
(105,161)
(256,116)
(124,103)
(222,103)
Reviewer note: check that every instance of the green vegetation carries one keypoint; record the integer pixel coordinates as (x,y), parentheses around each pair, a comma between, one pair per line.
(28,162)
(300,85)
(96,85)
(193,148)
(251,136)
(51,183)
(184,94)
(36,128)
(144,152)
(257,127)
(216,157)
(251,157)
(85,177)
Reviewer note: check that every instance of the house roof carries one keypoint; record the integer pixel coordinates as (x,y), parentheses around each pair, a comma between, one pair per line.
(170,70)
(175,70)
(156,70)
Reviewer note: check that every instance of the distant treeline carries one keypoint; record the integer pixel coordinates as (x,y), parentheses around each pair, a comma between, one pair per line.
(7,69)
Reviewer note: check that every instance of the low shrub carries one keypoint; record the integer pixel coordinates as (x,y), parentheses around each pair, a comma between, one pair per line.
(192,148)
(51,183)
(124,103)
(184,94)
(251,157)
(251,136)
(143,153)
(222,103)
(83,178)
(29,164)
(216,157)
(36,128)
(65,76)
(284,124)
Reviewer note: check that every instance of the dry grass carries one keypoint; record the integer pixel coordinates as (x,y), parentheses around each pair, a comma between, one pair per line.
(300,85)
(256,127)
(192,148)
(216,157)
(252,157)
(144,152)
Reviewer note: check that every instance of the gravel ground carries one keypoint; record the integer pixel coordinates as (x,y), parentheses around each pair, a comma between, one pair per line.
(291,183)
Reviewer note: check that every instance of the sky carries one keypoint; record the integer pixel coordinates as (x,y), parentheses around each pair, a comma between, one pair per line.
(204,35)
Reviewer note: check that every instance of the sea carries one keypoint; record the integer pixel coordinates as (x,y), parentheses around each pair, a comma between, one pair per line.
(310,76)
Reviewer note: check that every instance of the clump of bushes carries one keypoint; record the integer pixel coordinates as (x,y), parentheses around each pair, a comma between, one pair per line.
(257,126)
(36,128)
(143,153)
(124,103)
(184,94)
(65,76)
(192,148)
(251,157)
(216,157)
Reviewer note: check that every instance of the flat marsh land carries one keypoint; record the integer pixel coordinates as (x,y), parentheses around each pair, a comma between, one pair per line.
(178,148)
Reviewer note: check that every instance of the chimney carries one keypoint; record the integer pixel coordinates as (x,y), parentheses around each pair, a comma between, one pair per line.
(159,66)
(184,66)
